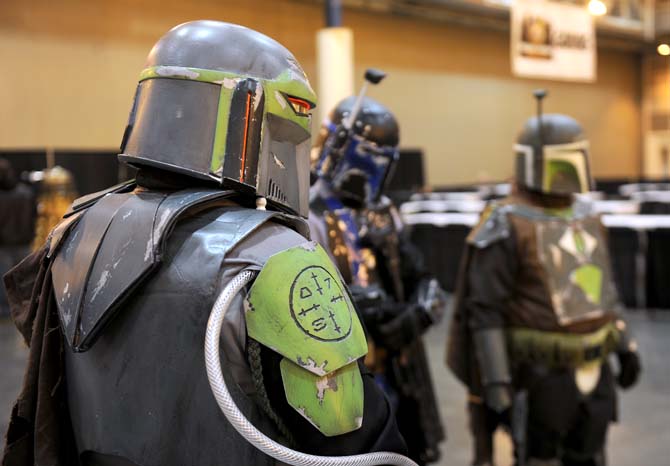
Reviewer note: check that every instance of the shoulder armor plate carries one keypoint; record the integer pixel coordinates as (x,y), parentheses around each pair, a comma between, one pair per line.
(493,226)
(90,199)
(71,217)
(299,307)
(113,247)
(60,231)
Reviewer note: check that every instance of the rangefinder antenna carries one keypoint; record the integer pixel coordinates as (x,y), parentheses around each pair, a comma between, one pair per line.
(540,94)
(372,76)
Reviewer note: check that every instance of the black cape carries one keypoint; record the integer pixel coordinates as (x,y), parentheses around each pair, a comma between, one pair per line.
(460,352)
(39,429)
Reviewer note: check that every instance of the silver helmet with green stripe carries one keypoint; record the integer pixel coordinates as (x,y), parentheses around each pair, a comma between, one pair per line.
(552,154)
(222,102)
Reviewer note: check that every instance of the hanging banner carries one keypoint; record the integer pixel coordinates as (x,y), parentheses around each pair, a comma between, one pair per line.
(552,41)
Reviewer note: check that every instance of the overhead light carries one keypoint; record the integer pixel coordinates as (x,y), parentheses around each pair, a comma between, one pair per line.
(597,7)
(663,49)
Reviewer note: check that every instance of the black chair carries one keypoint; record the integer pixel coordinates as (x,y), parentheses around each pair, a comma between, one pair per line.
(658,269)
(623,248)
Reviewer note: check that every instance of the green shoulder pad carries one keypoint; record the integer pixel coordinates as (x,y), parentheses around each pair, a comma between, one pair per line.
(299,307)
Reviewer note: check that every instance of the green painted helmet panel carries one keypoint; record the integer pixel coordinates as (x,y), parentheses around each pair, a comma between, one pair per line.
(299,307)
(332,403)
(561,176)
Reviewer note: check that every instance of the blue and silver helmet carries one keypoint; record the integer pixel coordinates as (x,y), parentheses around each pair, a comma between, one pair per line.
(356,163)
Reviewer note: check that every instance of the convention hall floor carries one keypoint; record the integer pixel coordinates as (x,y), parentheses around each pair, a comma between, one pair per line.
(642,438)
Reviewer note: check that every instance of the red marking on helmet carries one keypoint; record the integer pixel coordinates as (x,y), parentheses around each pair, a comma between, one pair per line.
(300,103)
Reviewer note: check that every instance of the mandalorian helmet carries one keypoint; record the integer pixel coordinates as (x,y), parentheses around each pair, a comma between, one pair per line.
(553,158)
(221,102)
(357,163)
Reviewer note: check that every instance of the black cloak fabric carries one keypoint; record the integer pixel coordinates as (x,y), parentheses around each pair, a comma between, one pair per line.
(460,351)
(39,430)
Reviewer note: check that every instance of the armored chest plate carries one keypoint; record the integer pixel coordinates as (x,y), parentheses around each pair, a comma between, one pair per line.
(573,253)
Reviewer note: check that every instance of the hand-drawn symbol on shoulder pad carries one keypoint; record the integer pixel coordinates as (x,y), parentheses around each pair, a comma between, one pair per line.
(318,305)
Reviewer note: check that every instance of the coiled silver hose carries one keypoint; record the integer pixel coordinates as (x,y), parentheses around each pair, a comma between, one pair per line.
(242,424)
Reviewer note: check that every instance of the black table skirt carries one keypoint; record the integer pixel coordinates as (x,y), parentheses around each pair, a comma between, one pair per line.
(442,247)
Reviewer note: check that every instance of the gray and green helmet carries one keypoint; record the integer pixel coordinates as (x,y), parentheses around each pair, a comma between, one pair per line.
(222,102)
(553,157)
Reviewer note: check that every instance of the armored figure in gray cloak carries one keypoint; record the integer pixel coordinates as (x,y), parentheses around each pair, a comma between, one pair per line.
(536,310)
(364,234)
(115,306)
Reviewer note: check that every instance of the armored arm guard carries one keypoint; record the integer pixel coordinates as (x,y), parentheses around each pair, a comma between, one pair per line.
(491,352)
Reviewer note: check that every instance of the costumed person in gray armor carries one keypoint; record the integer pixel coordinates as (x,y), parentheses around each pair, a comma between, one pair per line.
(362,231)
(536,310)
(115,307)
